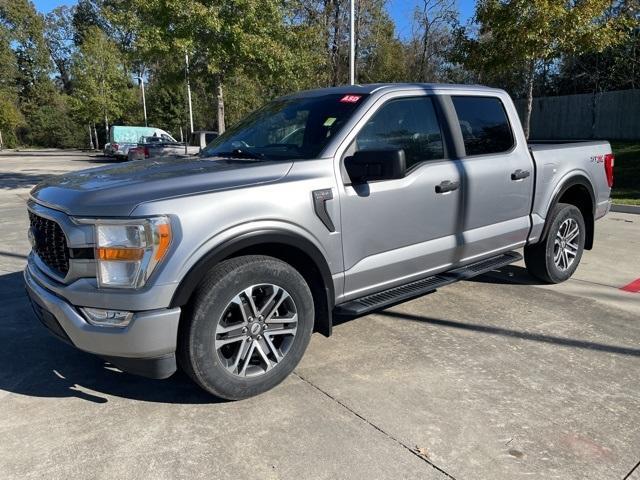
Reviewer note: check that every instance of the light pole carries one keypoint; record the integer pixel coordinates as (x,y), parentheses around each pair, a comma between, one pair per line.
(352,46)
(186,74)
(144,102)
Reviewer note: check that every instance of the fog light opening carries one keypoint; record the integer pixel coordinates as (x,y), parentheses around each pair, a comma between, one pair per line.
(107,318)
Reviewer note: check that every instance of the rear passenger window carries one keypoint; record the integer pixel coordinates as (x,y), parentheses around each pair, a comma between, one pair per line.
(484,124)
(410,124)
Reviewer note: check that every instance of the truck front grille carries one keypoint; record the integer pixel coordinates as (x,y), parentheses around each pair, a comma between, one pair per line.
(49,243)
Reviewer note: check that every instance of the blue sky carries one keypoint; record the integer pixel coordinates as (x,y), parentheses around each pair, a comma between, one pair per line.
(400,10)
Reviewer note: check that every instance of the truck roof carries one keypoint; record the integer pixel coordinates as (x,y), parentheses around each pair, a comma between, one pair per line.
(387,87)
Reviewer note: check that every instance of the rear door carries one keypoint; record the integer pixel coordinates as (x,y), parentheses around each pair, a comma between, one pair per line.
(398,230)
(498,176)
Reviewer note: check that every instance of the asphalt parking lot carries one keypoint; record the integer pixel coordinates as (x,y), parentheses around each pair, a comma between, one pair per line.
(496,378)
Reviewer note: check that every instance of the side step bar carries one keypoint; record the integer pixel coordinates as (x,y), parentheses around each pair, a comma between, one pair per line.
(399,294)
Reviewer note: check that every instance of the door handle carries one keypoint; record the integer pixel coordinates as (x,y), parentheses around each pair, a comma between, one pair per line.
(520,174)
(447,186)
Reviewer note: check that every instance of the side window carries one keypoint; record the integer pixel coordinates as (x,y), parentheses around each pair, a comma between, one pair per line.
(410,124)
(484,124)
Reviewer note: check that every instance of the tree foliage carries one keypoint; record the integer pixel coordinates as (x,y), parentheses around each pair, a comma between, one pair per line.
(78,66)
(522,35)
(101,88)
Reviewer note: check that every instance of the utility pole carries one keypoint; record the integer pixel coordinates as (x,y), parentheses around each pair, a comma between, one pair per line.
(186,73)
(352,44)
(144,102)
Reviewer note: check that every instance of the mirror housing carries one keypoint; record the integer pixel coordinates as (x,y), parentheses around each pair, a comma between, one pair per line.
(373,165)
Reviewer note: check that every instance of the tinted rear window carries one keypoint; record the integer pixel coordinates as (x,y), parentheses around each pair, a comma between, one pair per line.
(484,124)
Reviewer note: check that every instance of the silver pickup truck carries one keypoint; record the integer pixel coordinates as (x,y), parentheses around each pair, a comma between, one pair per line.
(328,202)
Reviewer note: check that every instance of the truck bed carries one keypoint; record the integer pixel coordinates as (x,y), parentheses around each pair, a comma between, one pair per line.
(558,161)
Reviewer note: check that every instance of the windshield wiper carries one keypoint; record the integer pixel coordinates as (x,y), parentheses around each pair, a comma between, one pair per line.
(239,153)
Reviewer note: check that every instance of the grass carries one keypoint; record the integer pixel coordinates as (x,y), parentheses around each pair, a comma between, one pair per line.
(626,183)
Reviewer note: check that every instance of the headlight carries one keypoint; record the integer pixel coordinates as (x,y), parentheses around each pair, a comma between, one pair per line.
(128,251)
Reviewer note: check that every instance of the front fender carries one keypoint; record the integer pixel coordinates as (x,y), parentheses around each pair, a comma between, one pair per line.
(247,239)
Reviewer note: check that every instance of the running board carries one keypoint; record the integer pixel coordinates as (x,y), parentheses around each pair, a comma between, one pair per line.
(401,293)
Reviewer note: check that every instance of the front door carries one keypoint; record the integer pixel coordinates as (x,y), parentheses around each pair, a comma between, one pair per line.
(395,231)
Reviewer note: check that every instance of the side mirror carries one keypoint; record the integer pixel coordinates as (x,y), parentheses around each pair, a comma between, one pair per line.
(371,165)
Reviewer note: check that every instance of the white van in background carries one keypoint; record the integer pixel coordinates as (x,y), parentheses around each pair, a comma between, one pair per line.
(122,138)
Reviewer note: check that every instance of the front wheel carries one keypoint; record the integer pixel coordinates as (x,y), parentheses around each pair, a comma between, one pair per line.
(249,325)
(556,258)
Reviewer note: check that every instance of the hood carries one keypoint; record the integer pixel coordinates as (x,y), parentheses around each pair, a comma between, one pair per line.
(115,190)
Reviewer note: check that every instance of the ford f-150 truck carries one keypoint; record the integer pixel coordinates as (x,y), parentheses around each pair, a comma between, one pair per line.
(333,201)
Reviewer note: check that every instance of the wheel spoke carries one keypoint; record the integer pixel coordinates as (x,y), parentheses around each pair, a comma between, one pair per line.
(248,293)
(556,256)
(283,331)
(242,351)
(573,234)
(225,341)
(276,291)
(271,346)
(572,249)
(247,359)
(230,328)
(261,352)
(276,306)
(237,300)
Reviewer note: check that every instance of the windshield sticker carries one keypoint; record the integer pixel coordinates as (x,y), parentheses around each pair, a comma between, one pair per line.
(350,99)
(329,121)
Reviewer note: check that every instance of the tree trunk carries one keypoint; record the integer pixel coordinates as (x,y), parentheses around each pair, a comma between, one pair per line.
(356,37)
(335,49)
(106,130)
(526,124)
(90,138)
(95,134)
(220,101)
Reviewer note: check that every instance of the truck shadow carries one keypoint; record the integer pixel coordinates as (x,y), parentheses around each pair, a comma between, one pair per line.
(12,180)
(36,364)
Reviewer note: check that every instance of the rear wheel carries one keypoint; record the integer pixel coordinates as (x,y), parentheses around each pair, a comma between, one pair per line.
(556,258)
(250,323)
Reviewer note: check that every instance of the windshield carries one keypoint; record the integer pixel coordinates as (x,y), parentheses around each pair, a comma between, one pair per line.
(292,128)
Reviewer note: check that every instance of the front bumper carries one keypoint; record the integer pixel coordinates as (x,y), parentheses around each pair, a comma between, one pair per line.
(145,347)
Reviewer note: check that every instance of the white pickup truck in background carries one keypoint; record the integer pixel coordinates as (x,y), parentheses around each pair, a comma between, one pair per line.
(155,147)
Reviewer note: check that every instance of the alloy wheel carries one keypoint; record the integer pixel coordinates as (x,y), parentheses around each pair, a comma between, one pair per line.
(256,330)
(565,246)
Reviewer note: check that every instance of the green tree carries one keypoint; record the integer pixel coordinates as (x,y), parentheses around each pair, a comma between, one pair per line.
(102,90)
(86,16)
(523,35)
(23,29)
(59,33)
(224,38)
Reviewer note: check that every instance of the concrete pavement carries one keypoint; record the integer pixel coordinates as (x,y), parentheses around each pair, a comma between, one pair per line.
(493,378)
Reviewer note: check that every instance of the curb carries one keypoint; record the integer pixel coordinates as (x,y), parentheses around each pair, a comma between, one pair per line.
(635,209)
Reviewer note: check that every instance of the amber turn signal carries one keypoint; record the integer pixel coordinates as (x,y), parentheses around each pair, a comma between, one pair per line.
(164,240)
(120,254)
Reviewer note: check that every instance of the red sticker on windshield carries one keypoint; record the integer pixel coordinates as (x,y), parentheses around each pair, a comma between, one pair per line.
(350,99)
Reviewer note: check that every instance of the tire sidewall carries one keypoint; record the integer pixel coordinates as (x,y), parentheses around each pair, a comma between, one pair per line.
(210,306)
(562,213)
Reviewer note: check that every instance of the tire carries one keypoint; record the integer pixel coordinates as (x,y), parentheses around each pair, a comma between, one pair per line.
(544,260)
(263,329)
